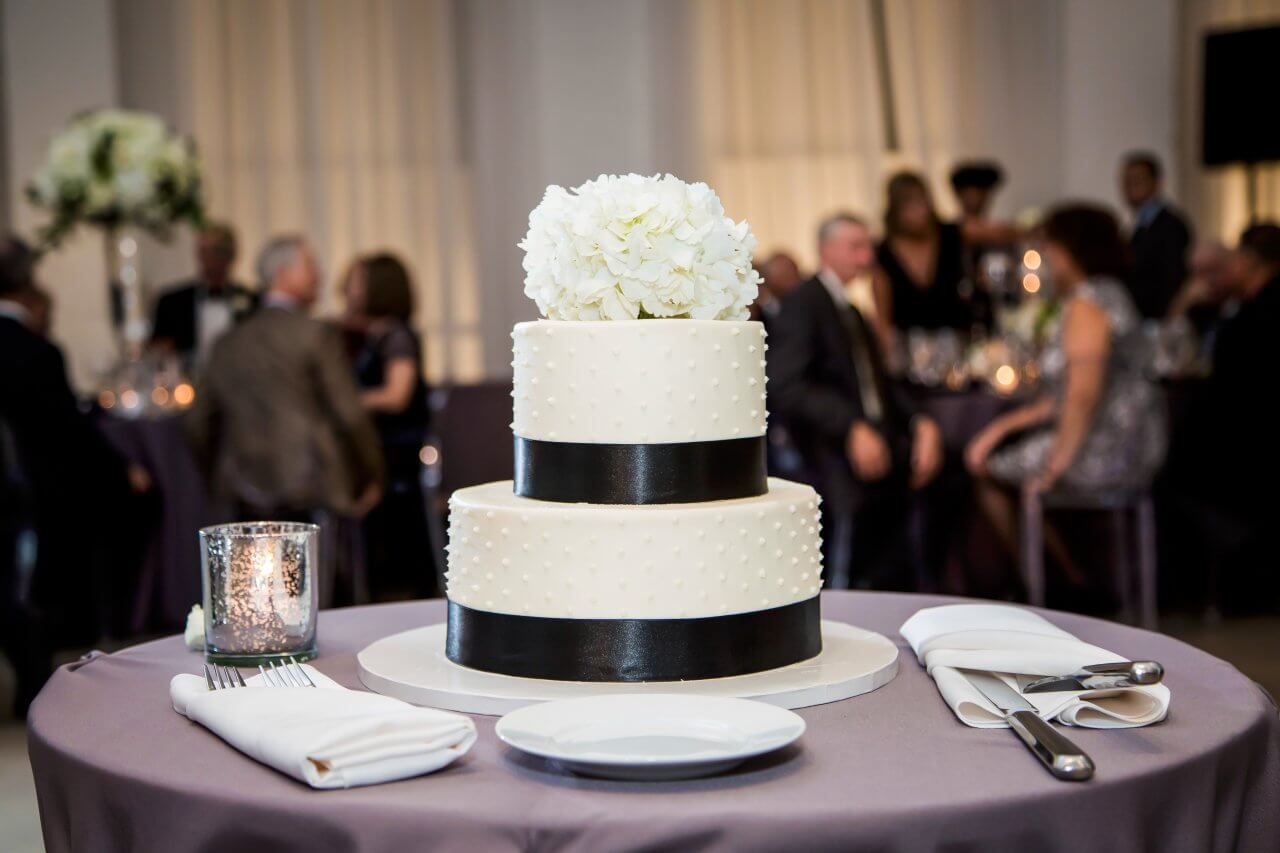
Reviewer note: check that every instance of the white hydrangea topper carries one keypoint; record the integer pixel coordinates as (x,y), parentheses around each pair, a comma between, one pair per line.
(630,246)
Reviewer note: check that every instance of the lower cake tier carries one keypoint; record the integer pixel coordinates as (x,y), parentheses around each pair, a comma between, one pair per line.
(661,592)
(509,554)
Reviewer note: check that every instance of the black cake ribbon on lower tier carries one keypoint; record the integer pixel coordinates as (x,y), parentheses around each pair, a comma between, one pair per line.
(685,472)
(564,649)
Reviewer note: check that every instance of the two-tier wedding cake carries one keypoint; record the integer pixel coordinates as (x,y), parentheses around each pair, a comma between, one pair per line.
(641,539)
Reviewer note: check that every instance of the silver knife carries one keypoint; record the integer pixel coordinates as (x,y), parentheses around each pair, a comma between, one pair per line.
(1101,676)
(1056,752)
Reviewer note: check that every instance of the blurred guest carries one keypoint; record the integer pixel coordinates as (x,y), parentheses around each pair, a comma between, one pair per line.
(57,474)
(1160,237)
(37,304)
(1247,342)
(389,370)
(871,452)
(191,315)
(975,184)
(921,262)
(1224,461)
(277,420)
(780,274)
(1208,295)
(1233,427)
(1099,423)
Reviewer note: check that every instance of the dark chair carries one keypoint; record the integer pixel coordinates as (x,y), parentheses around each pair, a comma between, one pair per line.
(1133,522)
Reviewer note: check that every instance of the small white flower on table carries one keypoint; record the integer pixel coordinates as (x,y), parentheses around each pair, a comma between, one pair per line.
(194,633)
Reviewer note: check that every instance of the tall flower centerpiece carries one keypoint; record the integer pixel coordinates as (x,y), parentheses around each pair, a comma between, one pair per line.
(633,247)
(120,171)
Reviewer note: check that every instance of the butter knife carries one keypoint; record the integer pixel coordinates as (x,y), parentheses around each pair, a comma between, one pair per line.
(1056,752)
(1101,676)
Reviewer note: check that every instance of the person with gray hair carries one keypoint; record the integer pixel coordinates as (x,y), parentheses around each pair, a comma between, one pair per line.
(277,422)
(872,453)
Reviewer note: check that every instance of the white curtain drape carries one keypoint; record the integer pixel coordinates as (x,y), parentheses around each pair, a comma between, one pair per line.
(1218,198)
(788,110)
(793,115)
(339,119)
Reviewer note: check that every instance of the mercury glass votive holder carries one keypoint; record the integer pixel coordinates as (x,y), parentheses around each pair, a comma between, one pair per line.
(260,592)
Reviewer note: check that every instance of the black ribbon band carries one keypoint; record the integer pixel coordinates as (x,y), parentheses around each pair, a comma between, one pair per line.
(633,649)
(688,472)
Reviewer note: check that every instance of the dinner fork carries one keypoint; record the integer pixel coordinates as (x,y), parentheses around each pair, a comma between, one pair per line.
(223,677)
(288,674)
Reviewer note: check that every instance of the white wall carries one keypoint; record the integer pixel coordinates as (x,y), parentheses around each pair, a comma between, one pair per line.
(58,58)
(1119,62)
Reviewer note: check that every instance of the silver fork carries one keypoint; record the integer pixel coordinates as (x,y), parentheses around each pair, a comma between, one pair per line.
(222,677)
(290,674)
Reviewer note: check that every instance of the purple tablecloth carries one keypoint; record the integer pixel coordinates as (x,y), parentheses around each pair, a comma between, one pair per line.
(169,580)
(117,769)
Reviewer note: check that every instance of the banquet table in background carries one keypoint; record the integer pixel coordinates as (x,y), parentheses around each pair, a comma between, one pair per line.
(169,579)
(117,769)
(960,415)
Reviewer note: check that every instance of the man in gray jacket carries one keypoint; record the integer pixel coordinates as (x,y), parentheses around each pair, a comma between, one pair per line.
(277,421)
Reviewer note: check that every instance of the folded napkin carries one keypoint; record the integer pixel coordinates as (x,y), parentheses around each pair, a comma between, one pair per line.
(327,736)
(1002,639)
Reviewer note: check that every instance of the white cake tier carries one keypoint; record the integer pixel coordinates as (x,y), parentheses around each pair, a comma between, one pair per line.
(515,555)
(638,381)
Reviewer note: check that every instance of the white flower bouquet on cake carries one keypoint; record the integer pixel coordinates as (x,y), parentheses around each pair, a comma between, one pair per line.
(116,167)
(633,247)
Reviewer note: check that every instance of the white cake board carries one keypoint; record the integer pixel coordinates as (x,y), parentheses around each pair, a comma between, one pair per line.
(412,666)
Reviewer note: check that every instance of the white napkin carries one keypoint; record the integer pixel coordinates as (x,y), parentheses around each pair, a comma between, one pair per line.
(327,736)
(1003,639)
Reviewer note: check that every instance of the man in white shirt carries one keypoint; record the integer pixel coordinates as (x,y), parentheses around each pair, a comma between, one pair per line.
(871,453)
(191,315)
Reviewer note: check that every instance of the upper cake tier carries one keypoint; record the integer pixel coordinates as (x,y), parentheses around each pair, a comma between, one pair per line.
(639,381)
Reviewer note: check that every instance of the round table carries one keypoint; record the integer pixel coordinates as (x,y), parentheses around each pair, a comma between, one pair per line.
(169,582)
(117,769)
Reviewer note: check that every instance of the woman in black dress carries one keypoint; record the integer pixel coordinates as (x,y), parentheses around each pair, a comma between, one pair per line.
(389,369)
(921,263)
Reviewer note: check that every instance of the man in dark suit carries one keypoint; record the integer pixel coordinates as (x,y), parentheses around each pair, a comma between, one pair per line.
(277,420)
(1161,237)
(57,476)
(191,315)
(871,452)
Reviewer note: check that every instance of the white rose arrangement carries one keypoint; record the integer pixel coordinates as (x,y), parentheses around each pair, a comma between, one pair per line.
(628,247)
(117,167)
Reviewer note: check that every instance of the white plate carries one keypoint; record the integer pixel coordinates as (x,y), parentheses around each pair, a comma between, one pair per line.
(650,736)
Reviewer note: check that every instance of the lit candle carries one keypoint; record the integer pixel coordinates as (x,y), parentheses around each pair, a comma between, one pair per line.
(260,596)
(1006,379)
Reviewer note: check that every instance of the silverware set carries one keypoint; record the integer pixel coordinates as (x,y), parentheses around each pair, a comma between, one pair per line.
(1101,676)
(1058,753)
(288,674)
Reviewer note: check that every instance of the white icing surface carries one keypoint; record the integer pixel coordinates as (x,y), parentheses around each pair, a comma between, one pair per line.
(638,381)
(510,554)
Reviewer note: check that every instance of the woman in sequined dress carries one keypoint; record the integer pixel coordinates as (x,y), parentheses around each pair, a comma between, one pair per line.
(1099,423)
